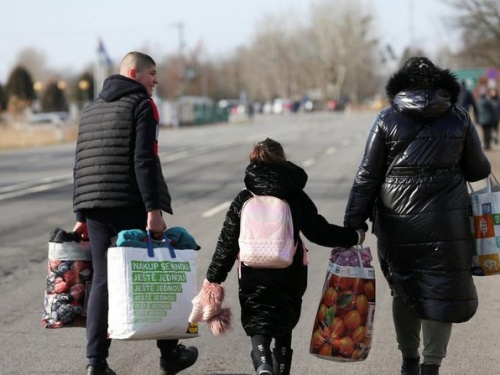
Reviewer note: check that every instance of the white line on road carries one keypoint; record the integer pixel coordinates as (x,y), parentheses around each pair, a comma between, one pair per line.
(330,150)
(34,189)
(68,177)
(216,209)
(308,162)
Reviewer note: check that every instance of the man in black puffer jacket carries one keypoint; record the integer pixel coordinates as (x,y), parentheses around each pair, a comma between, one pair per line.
(119,185)
(412,182)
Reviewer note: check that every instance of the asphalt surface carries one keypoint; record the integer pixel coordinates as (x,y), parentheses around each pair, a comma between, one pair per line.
(204,167)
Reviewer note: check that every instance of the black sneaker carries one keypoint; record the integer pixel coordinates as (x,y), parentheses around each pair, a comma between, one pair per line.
(93,370)
(185,357)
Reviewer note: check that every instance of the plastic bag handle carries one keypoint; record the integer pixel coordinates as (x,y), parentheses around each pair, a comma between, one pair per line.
(488,183)
(358,250)
(165,241)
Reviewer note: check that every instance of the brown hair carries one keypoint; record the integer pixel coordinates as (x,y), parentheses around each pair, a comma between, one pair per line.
(267,151)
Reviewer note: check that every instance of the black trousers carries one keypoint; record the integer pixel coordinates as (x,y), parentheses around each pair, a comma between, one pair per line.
(487,136)
(103,225)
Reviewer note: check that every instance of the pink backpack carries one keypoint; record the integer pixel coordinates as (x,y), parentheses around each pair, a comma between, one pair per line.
(266,233)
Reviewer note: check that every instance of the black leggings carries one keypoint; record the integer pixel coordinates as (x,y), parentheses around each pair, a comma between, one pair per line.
(103,225)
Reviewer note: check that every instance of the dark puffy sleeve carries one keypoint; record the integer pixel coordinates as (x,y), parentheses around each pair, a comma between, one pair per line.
(370,175)
(475,164)
(145,158)
(318,230)
(227,249)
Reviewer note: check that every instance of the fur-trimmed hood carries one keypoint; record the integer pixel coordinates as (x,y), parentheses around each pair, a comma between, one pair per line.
(422,88)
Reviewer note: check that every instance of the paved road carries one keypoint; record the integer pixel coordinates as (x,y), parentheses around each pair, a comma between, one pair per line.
(204,169)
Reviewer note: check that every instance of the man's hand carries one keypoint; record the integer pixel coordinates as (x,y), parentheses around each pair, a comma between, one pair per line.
(155,224)
(82,230)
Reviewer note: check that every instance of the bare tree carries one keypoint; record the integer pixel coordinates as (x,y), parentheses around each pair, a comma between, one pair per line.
(272,61)
(346,54)
(34,61)
(479,23)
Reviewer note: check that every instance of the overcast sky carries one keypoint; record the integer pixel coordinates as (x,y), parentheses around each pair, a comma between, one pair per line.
(65,32)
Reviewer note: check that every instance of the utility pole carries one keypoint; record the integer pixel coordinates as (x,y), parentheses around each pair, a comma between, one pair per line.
(182,68)
(176,115)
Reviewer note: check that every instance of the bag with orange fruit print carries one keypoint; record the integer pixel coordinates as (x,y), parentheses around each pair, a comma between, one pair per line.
(343,326)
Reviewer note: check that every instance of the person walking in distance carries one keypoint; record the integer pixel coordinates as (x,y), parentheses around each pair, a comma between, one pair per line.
(271,299)
(466,100)
(487,117)
(495,100)
(412,183)
(119,185)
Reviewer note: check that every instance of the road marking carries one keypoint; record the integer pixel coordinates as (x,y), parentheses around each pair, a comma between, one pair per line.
(309,162)
(68,177)
(330,150)
(34,189)
(214,211)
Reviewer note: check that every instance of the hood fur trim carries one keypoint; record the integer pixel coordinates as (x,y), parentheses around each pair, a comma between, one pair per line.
(426,77)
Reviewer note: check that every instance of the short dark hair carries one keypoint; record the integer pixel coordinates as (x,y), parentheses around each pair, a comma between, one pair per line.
(138,60)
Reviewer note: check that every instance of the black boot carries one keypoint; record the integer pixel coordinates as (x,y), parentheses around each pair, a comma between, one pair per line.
(262,367)
(94,370)
(410,366)
(282,361)
(429,369)
(181,359)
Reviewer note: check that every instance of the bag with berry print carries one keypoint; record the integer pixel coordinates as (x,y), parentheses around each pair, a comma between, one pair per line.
(485,226)
(69,277)
(150,291)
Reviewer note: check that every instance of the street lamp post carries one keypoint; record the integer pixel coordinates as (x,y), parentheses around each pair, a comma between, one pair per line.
(38,87)
(84,85)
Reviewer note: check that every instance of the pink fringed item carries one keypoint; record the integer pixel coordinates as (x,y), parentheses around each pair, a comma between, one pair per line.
(221,323)
(207,307)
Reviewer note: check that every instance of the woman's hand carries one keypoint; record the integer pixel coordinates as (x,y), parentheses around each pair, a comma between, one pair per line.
(361,236)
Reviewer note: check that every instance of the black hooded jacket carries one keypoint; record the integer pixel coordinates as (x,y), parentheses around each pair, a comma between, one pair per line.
(116,163)
(421,207)
(271,299)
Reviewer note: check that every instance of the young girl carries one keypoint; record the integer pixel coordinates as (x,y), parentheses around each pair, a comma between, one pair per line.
(271,299)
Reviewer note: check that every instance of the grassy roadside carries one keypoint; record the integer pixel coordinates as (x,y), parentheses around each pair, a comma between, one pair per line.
(22,136)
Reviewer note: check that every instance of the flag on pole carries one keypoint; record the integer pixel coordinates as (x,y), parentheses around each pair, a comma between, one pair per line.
(103,54)
(101,67)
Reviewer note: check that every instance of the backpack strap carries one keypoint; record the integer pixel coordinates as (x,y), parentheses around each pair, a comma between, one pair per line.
(250,191)
(239,260)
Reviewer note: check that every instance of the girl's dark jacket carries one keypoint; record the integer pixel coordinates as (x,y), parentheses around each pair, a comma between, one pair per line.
(271,299)
(421,208)
(117,164)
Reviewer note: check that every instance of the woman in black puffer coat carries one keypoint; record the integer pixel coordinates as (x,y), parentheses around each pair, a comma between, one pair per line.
(412,183)
(271,299)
